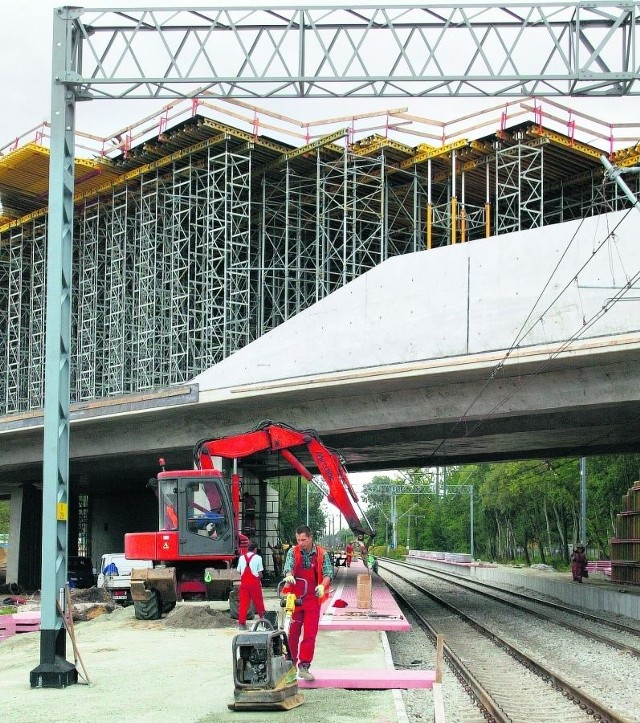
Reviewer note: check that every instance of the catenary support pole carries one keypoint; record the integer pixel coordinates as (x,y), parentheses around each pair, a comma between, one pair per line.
(614,173)
(471,542)
(583,501)
(54,670)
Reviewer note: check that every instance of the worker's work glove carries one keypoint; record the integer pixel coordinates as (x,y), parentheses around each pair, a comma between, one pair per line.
(320,591)
(290,579)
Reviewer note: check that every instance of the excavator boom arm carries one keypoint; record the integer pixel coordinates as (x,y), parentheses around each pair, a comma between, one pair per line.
(274,437)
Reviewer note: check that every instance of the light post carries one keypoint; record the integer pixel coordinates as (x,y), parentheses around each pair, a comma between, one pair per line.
(399,517)
(583,502)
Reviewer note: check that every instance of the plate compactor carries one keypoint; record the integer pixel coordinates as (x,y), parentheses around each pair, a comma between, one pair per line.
(264,676)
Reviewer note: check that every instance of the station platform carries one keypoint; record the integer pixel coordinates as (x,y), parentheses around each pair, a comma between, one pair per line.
(382,614)
(359,633)
(596,593)
(126,660)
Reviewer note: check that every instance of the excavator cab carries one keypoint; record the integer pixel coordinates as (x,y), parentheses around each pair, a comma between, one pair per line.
(196,528)
(197,505)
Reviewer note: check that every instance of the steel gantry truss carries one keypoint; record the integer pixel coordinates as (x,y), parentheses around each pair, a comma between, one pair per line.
(448,49)
(178,247)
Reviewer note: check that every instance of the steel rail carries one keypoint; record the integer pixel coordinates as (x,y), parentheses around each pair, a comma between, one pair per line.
(590,705)
(469,585)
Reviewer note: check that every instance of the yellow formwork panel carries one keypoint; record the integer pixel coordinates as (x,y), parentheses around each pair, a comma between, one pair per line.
(25,172)
(565,141)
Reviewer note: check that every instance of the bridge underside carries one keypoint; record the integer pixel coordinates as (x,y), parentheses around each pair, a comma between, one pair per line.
(377,423)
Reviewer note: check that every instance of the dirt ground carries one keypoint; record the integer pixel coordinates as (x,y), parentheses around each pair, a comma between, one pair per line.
(178,670)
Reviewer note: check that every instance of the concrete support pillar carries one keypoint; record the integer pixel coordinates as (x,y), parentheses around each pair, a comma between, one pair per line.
(15,519)
(24,560)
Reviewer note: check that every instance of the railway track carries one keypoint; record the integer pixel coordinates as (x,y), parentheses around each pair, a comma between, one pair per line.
(621,636)
(517,670)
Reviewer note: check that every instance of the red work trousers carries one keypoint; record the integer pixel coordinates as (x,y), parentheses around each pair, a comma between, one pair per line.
(305,620)
(250,592)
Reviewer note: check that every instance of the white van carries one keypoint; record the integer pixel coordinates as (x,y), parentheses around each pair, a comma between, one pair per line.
(115,575)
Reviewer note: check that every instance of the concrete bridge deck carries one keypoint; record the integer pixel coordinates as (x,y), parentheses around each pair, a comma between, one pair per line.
(521,345)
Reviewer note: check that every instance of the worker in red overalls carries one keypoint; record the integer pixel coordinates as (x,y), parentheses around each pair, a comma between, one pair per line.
(250,568)
(349,551)
(309,562)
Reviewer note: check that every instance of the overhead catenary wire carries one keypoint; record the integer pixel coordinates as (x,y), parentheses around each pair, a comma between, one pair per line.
(587,323)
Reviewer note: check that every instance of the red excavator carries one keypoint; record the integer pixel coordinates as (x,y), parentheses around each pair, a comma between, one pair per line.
(200,510)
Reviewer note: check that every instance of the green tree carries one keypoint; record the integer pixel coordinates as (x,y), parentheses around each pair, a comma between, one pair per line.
(608,478)
(293,508)
(4,517)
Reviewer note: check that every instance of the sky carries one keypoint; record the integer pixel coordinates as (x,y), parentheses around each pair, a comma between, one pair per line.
(25,81)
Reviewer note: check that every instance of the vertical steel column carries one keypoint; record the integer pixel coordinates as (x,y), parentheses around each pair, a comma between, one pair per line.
(4,330)
(345,216)
(237,254)
(320,245)
(272,271)
(507,191)
(115,294)
(87,303)
(454,200)
(471,541)
(368,242)
(394,522)
(146,282)
(518,188)
(214,213)
(288,278)
(302,272)
(429,218)
(487,203)
(332,224)
(54,670)
(531,186)
(178,238)
(203,345)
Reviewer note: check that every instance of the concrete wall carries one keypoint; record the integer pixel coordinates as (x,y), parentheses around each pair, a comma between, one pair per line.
(556,585)
(454,301)
(113,516)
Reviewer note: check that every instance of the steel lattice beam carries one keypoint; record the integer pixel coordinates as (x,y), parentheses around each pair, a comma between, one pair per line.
(510,49)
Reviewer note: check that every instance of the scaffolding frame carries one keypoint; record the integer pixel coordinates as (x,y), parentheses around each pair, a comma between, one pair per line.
(181,264)
(519,188)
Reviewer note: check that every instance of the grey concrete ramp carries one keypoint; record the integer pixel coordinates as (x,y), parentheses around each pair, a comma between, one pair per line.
(531,293)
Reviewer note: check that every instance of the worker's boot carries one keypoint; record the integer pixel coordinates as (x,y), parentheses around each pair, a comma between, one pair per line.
(304,673)
(242,626)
